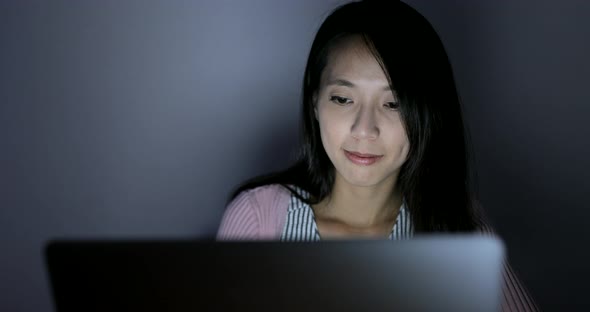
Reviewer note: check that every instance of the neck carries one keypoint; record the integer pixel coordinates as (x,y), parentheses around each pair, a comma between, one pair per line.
(362,206)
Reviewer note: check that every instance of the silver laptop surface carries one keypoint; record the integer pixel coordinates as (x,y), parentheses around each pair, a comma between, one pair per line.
(426,273)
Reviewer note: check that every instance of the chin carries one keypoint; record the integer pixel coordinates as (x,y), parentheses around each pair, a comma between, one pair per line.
(362,178)
(362,181)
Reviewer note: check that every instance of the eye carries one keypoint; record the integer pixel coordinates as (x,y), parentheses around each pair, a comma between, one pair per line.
(340,100)
(392,105)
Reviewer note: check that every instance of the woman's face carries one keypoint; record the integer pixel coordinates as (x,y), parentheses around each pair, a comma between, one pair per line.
(358,117)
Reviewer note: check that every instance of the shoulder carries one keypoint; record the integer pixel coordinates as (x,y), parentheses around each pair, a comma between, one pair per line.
(262,200)
(255,213)
(515,297)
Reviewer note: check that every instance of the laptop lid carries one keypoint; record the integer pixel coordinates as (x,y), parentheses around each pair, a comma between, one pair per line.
(427,273)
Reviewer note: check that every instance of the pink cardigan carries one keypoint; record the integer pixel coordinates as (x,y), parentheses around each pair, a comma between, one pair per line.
(256,214)
(260,214)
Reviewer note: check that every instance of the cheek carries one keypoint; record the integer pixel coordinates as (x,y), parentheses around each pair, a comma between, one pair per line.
(401,146)
(333,132)
(405,149)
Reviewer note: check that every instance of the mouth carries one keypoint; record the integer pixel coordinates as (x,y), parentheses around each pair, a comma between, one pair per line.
(362,159)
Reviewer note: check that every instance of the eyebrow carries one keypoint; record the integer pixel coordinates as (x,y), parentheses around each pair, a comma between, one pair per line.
(346,83)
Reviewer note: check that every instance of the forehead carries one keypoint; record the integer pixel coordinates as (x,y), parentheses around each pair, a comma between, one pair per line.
(351,59)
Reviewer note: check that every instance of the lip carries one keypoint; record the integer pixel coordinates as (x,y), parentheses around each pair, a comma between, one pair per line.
(362,158)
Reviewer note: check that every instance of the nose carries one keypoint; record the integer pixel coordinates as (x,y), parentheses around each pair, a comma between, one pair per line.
(365,125)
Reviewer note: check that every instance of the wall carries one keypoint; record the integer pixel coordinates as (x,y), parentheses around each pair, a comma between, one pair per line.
(136,118)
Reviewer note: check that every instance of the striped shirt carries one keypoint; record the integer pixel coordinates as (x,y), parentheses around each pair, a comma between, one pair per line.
(300,224)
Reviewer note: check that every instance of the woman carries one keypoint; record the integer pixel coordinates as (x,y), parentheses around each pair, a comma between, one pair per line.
(384,151)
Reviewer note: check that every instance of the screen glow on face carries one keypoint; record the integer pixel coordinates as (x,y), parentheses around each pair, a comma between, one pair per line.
(360,124)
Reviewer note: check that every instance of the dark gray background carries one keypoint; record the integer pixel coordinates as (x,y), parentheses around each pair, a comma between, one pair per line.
(135,119)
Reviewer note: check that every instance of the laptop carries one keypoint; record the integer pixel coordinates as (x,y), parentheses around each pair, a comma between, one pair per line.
(426,273)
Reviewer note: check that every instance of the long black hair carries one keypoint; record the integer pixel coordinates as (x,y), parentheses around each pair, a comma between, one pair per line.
(435,181)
